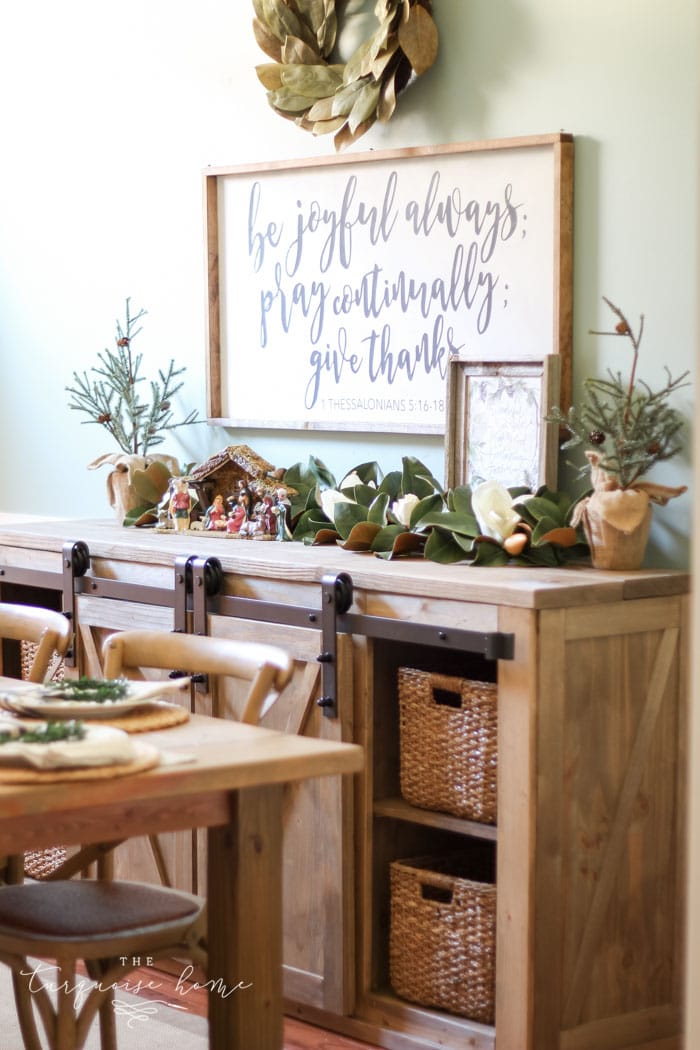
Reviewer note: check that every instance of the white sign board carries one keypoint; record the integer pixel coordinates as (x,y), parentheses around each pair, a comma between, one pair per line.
(340,288)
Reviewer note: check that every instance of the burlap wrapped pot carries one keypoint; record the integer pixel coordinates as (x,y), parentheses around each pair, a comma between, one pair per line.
(616,520)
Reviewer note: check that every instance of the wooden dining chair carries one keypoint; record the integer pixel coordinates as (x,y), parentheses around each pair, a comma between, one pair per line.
(109,926)
(104,921)
(48,632)
(265,668)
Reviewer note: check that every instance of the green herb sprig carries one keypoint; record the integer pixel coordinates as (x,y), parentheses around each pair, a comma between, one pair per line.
(46,733)
(96,690)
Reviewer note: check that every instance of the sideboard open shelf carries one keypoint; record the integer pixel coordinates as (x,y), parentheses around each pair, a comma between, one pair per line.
(588,845)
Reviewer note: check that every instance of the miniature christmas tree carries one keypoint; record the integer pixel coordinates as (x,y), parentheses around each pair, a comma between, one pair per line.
(113,400)
(631,426)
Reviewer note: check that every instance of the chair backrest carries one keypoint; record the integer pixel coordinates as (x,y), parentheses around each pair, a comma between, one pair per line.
(50,631)
(266,667)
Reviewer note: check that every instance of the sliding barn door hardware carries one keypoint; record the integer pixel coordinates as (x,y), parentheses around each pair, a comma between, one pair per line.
(197,590)
(336,599)
(75,563)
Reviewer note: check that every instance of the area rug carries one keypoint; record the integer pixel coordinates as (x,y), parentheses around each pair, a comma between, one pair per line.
(142,1024)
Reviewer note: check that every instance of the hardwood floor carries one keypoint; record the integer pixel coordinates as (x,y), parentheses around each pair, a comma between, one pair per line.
(297,1034)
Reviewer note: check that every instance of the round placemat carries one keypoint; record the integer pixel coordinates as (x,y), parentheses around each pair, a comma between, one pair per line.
(142,721)
(146,757)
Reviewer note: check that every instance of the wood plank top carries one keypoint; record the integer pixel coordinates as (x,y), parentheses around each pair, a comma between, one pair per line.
(511,585)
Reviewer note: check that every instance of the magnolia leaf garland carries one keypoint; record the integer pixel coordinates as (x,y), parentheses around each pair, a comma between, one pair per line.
(324,97)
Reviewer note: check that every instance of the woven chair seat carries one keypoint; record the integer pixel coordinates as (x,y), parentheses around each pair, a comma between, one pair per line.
(78,910)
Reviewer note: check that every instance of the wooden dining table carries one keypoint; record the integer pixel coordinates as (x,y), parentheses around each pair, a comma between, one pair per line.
(228,778)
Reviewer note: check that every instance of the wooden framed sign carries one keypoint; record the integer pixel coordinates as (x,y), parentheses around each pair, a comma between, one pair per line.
(340,287)
(496,423)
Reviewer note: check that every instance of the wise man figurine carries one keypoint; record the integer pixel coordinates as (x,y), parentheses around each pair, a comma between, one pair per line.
(282,510)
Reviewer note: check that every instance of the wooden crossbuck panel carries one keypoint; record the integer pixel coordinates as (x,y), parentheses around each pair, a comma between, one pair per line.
(610,882)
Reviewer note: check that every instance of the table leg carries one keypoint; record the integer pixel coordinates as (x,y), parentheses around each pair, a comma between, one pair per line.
(244,893)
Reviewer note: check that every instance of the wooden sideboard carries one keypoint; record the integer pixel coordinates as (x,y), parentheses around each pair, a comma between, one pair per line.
(589,844)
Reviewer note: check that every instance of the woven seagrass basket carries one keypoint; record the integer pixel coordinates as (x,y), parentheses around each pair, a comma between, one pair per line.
(442,945)
(448,733)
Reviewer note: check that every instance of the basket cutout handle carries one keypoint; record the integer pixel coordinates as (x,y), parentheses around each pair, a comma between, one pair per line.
(439,894)
(447,698)
(446,690)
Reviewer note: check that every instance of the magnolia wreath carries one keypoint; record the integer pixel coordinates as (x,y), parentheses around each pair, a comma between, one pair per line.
(346,99)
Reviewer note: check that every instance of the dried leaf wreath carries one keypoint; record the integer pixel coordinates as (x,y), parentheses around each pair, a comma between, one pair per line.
(323,97)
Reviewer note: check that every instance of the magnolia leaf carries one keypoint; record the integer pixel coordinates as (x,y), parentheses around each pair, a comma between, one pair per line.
(407,543)
(386,538)
(418,37)
(313,13)
(346,516)
(368,472)
(365,495)
(320,471)
(322,111)
(150,485)
(301,477)
(271,18)
(391,484)
(488,552)
(146,514)
(270,75)
(378,508)
(311,81)
(327,32)
(380,61)
(387,99)
(358,64)
(544,526)
(547,555)
(361,536)
(283,22)
(288,101)
(464,524)
(537,508)
(345,99)
(423,507)
(325,536)
(345,137)
(326,127)
(310,523)
(441,547)
(266,41)
(416,478)
(460,500)
(364,107)
(561,499)
(563,536)
(296,51)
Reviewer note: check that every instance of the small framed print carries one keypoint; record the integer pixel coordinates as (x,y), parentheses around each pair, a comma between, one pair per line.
(496,426)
